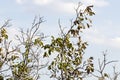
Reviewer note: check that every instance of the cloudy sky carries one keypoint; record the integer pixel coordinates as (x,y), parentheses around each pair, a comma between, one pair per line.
(104,35)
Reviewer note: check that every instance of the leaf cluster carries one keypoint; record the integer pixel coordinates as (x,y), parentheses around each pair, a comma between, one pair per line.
(68,64)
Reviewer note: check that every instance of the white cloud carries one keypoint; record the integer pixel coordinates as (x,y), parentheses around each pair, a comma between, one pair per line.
(115,42)
(101,3)
(117,39)
(62,6)
(55,5)
(93,35)
(36,2)
(110,42)
(42,2)
(67,7)
(97,37)
(97,3)
(21,1)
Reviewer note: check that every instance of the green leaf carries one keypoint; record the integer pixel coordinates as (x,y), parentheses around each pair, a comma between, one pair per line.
(14,57)
(6,36)
(1,63)
(91,58)
(38,42)
(88,25)
(0,40)
(1,77)
(81,18)
(106,75)
(49,67)
(45,54)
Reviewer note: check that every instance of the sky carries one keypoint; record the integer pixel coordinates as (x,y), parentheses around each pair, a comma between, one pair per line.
(103,35)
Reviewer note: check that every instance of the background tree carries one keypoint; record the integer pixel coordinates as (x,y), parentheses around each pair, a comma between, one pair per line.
(23,59)
(4,47)
(101,73)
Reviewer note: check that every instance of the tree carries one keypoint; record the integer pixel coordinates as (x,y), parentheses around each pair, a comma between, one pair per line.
(69,64)
(23,60)
(102,73)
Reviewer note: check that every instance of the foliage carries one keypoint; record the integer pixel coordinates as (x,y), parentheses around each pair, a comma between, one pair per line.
(23,60)
(69,64)
(28,67)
